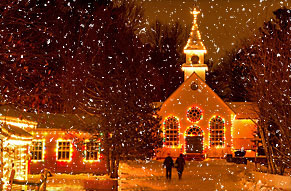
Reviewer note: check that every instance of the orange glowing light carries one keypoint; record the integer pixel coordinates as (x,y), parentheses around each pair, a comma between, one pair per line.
(86,149)
(171,124)
(63,151)
(42,150)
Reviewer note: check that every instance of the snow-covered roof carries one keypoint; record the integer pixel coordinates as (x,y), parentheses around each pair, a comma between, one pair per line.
(14,131)
(244,110)
(79,121)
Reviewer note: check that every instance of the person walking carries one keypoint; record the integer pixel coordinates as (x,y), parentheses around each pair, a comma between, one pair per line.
(168,164)
(179,164)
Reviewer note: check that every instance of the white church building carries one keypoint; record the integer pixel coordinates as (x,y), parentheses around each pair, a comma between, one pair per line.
(195,120)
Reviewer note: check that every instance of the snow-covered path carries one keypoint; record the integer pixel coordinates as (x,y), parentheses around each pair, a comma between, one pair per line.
(198,175)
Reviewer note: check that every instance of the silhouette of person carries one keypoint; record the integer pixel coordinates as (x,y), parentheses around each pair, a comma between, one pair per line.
(168,164)
(179,164)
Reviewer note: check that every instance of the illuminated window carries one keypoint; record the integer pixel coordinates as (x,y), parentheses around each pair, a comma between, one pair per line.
(194,140)
(216,131)
(194,131)
(64,148)
(37,150)
(92,150)
(171,131)
(194,114)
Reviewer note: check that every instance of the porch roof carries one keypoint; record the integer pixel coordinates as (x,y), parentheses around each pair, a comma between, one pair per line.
(14,132)
(80,121)
(244,110)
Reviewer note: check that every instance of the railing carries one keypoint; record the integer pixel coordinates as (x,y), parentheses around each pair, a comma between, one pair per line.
(40,185)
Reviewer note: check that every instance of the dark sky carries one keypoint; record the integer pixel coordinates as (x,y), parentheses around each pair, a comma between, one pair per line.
(221,22)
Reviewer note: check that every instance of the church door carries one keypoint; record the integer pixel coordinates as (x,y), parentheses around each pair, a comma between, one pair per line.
(194,140)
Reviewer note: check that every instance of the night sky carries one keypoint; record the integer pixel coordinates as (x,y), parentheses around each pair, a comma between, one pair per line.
(222,23)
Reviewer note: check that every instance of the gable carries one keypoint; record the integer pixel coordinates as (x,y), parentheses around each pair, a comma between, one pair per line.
(204,97)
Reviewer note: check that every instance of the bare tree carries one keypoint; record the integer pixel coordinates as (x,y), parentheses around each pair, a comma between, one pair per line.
(26,55)
(268,56)
(167,42)
(118,88)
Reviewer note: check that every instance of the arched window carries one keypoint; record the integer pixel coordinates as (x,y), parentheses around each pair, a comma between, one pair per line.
(216,131)
(194,131)
(194,140)
(171,131)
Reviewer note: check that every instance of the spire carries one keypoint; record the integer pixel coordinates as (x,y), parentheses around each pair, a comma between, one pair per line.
(194,51)
(194,41)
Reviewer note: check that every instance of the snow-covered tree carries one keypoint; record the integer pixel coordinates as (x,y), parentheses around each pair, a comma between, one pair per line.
(229,77)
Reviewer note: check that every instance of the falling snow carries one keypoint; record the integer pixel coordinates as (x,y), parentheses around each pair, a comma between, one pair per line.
(94,92)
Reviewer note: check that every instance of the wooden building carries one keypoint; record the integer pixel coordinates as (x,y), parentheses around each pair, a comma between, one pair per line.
(65,152)
(15,143)
(59,142)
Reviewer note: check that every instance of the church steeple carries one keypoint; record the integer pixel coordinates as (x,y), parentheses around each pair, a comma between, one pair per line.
(194,51)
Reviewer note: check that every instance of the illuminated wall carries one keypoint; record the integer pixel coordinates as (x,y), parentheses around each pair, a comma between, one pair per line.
(15,142)
(73,155)
(243,132)
(211,105)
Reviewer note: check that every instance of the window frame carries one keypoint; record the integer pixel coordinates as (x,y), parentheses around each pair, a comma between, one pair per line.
(194,114)
(90,152)
(64,150)
(42,150)
(172,135)
(217,134)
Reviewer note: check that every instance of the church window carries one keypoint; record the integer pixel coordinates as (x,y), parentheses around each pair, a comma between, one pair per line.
(195,59)
(194,131)
(194,86)
(217,127)
(171,131)
(194,114)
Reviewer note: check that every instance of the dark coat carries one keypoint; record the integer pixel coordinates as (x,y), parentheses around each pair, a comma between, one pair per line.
(180,163)
(168,162)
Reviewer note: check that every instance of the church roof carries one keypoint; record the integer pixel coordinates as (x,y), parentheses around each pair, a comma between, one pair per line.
(194,41)
(244,110)
(191,78)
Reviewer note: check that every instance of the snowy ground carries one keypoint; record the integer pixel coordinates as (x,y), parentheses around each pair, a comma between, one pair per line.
(80,182)
(198,175)
(208,175)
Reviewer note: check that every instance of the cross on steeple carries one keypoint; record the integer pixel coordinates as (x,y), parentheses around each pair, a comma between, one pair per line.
(195,12)
(194,41)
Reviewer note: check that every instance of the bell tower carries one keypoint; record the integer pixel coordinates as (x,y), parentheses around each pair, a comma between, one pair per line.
(194,51)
